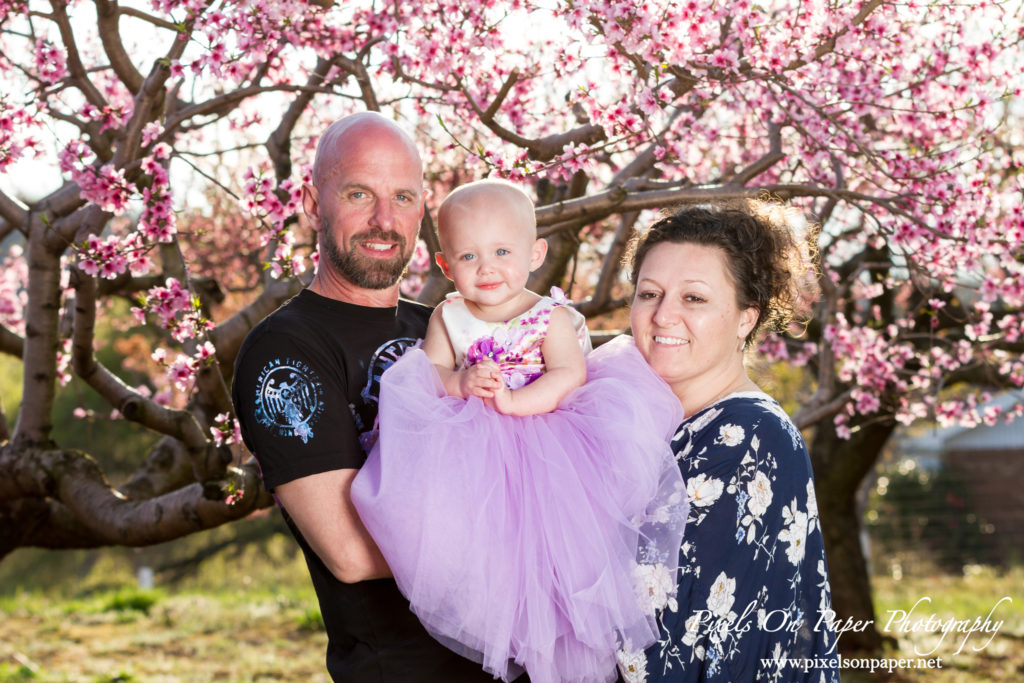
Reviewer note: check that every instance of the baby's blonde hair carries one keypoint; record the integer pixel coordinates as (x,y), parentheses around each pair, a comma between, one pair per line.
(465,196)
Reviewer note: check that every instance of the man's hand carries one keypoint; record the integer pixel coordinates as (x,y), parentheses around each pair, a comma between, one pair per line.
(482,379)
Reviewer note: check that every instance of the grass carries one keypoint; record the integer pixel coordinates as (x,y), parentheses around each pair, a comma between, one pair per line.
(253,616)
(981,657)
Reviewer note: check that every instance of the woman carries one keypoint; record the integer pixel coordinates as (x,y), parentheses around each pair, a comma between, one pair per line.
(753,588)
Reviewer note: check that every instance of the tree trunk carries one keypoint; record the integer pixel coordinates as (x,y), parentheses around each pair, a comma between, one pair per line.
(840,466)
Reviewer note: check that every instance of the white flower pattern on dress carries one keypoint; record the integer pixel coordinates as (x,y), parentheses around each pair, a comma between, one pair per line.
(703,491)
(730,435)
(722,595)
(749,484)
(760,492)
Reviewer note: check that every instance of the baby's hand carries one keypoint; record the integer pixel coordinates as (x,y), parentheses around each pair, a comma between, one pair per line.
(502,400)
(482,379)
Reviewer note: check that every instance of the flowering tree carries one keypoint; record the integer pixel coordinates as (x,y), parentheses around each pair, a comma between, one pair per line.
(888,128)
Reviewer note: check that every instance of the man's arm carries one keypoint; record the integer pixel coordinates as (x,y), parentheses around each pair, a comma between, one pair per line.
(321,507)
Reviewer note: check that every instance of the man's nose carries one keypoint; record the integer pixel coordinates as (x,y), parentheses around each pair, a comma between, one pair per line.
(383,214)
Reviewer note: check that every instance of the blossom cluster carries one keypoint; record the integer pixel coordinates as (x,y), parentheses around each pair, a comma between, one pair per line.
(262,201)
(105,186)
(182,369)
(157,223)
(177,310)
(13,297)
(225,430)
(113,255)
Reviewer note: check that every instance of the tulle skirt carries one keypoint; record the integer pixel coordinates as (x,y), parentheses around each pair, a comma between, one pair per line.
(543,542)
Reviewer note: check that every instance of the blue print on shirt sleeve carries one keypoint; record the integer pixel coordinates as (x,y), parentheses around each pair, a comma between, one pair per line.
(289,398)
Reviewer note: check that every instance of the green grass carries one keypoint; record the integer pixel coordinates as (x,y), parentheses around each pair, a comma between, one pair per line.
(250,613)
(981,658)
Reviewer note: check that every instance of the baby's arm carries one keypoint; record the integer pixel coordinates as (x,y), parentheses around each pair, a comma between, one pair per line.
(565,370)
(478,380)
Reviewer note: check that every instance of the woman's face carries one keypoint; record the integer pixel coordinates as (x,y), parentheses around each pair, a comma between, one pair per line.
(685,319)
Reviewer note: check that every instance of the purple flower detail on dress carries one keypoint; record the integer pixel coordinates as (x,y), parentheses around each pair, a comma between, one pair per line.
(484,347)
(559,297)
(517,379)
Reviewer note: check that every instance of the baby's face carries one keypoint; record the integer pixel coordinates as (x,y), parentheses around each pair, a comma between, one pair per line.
(490,247)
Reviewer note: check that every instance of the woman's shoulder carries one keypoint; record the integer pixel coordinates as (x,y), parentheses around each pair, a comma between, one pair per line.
(744,416)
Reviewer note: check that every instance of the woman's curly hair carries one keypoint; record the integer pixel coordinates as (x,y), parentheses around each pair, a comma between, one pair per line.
(764,259)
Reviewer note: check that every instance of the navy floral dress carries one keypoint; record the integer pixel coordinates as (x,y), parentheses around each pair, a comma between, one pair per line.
(753,598)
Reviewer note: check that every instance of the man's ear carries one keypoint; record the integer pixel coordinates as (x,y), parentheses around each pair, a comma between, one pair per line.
(539,251)
(442,263)
(311,206)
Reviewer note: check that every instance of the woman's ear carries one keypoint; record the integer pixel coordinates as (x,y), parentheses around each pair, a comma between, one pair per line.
(748,321)
(539,251)
(442,263)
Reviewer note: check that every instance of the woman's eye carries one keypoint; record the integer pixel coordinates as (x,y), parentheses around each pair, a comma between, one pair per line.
(693,298)
(647,295)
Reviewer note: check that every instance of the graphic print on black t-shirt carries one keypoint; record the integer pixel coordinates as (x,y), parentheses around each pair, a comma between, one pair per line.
(289,398)
(382,359)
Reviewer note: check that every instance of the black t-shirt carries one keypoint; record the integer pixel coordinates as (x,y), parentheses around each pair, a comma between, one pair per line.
(305,392)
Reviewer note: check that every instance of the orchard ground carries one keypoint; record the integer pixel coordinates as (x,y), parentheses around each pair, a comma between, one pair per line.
(251,615)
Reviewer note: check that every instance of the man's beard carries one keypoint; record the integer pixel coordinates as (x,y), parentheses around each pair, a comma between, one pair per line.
(359,270)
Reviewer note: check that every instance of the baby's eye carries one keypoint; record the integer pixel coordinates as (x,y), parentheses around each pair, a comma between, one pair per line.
(467,257)
(503,252)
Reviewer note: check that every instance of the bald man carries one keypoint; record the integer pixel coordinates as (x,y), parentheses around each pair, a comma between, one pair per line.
(305,392)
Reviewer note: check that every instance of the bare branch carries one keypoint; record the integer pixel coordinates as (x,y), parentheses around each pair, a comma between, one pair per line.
(227,337)
(279,143)
(772,157)
(139,14)
(107,18)
(358,70)
(180,424)
(543,149)
(11,343)
(812,412)
(74,61)
(227,101)
(108,518)
(610,267)
(13,214)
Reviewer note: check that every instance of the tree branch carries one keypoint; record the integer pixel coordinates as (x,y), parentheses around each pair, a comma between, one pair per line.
(107,15)
(812,412)
(543,149)
(13,214)
(180,424)
(279,142)
(11,343)
(76,480)
(74,61)
(227,337)
(772,157)
(601,299)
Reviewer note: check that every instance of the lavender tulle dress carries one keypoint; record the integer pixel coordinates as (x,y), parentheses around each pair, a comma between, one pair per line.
(542,543)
